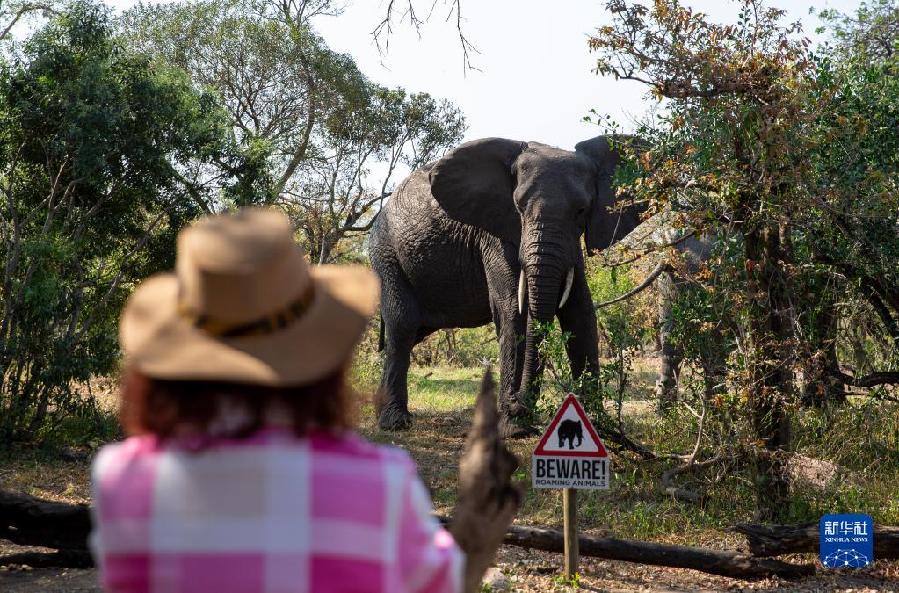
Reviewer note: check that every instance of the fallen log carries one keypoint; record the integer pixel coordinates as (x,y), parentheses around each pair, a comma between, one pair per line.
(57,559)
(723,563)
(776,540)
(29,521)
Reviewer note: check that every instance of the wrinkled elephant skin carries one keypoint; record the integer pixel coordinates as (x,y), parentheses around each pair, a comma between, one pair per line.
(491,232)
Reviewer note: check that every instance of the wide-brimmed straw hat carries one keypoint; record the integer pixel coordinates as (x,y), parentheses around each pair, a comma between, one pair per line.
(244,306)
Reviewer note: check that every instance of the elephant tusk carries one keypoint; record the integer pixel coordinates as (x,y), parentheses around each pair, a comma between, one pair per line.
(569,280)
(522,286)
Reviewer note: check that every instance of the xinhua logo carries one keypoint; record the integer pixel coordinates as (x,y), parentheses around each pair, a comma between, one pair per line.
(846,541)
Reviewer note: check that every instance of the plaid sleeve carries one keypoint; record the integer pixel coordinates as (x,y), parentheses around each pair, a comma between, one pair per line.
(429,559)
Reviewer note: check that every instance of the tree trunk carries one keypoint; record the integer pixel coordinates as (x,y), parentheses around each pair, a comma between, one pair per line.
(671,354)
(770,376)
(820,387)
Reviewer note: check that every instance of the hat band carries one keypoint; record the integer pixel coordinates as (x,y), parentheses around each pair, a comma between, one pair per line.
(265,325)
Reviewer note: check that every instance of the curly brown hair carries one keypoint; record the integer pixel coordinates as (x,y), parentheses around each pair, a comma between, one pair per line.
(168,407)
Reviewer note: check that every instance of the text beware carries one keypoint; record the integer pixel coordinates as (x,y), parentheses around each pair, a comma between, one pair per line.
(570,472)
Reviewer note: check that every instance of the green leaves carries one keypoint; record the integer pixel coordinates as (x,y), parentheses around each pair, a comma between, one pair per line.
(312,132)
(792,153)
(96,142)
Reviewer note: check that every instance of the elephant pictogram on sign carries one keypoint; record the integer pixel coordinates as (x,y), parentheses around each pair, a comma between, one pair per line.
(568,430)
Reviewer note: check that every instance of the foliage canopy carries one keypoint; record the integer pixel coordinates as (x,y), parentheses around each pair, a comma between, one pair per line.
(787,153)
(92,141)
(332,140)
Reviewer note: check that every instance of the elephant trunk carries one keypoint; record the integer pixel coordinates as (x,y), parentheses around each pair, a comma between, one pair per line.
(546,279)
(523,285)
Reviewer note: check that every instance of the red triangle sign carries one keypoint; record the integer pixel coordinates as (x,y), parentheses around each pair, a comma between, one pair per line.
(571,434)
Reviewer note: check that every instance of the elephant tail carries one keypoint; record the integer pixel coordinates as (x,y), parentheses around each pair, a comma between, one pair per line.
(380,334)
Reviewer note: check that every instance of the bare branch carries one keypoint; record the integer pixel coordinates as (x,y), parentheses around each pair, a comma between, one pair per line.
(659,269)
(394,13)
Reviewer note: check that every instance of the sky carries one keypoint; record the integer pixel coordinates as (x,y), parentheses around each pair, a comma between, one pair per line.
(533,79)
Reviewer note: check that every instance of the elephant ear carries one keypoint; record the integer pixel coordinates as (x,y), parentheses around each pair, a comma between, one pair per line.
(473,184)
(605,225)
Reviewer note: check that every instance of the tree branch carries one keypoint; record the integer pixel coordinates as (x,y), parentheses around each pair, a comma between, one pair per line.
(23,10)
(662,267)
(867,381)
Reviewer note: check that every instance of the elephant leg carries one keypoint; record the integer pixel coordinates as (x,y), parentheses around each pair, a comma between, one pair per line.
(514,416)
(666,384)
(502,271)
(394,413)
(578,318)
(714,365)
(511,354)
(399,313)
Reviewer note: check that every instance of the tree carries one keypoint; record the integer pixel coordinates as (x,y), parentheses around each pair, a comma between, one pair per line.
(858,224)
(321,125)
(388,131)
(92,137)
(873,31)
(789,151)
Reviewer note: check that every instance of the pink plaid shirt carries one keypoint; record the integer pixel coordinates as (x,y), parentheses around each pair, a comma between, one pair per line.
(272,514)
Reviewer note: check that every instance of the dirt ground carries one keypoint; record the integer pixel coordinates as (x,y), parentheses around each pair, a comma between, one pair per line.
(442,402)
(530,571)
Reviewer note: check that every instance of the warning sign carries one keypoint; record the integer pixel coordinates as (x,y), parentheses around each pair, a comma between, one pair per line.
(570,454)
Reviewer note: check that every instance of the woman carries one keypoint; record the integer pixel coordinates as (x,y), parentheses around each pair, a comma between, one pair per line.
(240,472)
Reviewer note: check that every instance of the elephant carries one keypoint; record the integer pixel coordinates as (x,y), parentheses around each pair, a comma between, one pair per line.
(695,249)
(817,387)
(492,232)
(568,430)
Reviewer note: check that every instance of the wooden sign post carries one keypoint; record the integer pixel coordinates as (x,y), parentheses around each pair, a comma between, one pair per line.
(572,553)
(571,456)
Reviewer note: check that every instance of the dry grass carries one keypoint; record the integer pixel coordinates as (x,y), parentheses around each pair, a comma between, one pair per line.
(46,476)
(441,401)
